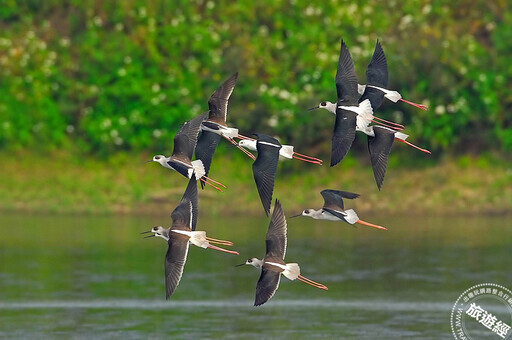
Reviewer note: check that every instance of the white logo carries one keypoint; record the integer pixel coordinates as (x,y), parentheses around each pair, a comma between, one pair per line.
(483,311)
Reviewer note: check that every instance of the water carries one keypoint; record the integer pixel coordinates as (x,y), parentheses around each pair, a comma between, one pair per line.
(101,280)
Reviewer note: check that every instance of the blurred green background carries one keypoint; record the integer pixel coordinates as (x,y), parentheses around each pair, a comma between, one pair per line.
(103,80)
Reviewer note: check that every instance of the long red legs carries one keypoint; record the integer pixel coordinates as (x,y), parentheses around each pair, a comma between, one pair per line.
(213,186)
(217,241)
(232,141)
(306,160)
(414,146)
(419,106)
(389,122)
(244,137)
(311,282)
(371,225)
(306,156)
(386,125)
(223,250)
(214,181)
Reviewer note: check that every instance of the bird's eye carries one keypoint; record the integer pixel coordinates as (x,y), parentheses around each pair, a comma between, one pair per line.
(155,228)
(306,211)
(250,260)
(323,104)
(157,157)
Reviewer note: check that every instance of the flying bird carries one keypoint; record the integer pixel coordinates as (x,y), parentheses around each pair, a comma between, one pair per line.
(333,209)
(179,236)
(286,151)
(216,122)
(377,81)
(273,265)
(184,144)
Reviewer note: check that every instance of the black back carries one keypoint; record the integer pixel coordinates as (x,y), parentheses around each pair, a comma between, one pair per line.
(343,135)
(186,138)
(380,147)
(205,149)
(275,239)
(264,168)
(218,102)
(346,78)
(333,199)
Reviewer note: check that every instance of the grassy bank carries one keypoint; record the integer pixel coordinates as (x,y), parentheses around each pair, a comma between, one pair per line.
(63,183)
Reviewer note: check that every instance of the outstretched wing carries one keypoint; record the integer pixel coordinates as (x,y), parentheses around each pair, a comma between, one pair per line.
(182,215)
(218,102)
(333,199)
(380,147)
(264,169)
(186,138)
(276,233)
(175,259)
(205,149)
(190,194)
(343,135)
(267,286)
(376,75)
(346,78)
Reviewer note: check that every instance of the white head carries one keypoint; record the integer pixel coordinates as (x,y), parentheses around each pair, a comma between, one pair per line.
(331,107)
(160,159)
(158,231)
(248,144)
(309,212)
(253,262)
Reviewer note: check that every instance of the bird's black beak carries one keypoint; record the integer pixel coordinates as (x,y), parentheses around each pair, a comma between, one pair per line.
(239,265)
(314,108)
(296,215)
(149,236)
(145,232)
(147,161)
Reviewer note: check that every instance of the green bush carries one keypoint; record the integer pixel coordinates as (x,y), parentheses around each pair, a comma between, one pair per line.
(125,75)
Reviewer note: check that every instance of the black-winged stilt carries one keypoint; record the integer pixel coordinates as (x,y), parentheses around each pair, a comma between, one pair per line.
(273,265)
(333,209)
(184,144)
(377,82)
(218,109)
(179,236)
(286,151)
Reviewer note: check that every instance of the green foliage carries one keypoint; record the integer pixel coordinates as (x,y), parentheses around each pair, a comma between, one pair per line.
(125,75)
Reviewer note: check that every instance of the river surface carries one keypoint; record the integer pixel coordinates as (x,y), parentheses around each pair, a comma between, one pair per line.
(95,277)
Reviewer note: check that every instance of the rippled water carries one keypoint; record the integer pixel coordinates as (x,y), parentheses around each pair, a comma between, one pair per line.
(83,277)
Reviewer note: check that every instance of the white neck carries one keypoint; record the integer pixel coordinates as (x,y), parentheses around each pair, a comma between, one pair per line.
(256,263)
(331,107)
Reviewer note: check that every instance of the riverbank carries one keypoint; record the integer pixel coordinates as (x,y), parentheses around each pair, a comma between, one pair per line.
(63,183)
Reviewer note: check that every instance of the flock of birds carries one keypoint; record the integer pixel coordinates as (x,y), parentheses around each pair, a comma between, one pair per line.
(354,111)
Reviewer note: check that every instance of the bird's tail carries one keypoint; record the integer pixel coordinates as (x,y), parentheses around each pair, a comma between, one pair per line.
(198,238)
(198,167)
(351,216)
(394,96)
(365,109)
(401,136)
(292,271)
(286,151)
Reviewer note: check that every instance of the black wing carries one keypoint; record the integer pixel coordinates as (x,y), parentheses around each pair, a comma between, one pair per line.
(343,135)
(182,215)
(380,147)
(333,199)
(377,71)
(218,102)
(186,138)
(267,286)
(175,259)
(276,233)
(376,75)
(190,194)
(205,149)
(346,78)
(264,169)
